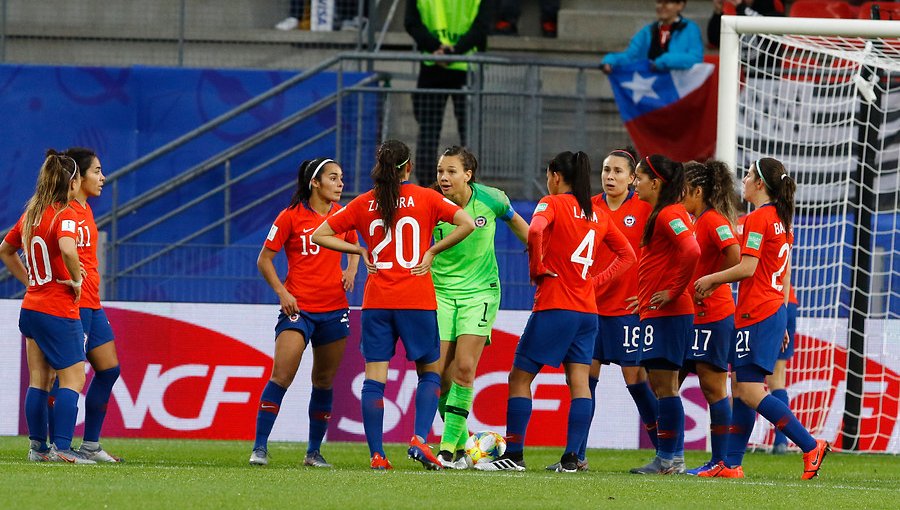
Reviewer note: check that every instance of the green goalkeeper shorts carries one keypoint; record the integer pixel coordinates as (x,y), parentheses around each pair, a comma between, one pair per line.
(469,315)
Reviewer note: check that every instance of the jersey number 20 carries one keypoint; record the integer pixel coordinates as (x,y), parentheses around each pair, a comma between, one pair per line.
(398,237)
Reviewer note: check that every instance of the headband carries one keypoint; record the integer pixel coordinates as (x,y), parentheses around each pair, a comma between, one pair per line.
(74,163)
(401,165)
(647,159)
(759,171)
(626,153)
(316,172)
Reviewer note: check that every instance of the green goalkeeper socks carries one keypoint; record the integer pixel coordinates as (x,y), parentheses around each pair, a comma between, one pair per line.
(459,401)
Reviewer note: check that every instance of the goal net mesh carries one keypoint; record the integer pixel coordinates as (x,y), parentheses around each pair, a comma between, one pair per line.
(829,109)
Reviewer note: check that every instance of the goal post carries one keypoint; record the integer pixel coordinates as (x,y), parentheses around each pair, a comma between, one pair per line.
(823,96)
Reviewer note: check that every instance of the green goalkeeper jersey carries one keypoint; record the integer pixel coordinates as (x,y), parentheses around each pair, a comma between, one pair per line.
(470,267)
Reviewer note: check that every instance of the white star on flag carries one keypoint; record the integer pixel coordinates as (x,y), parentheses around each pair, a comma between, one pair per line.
(640,87)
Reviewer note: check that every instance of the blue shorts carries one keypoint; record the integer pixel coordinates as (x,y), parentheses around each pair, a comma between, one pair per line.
(552,337)
(97,330)
(316,328)
(60,339)
(665,340)
(760,343)
(788,352)
(618,340)
(712,344)
(417,329)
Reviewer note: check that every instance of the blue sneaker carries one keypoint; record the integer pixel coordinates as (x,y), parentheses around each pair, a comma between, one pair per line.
(697,470)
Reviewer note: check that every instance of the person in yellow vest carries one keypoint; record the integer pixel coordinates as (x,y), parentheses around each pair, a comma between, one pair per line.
(443,27)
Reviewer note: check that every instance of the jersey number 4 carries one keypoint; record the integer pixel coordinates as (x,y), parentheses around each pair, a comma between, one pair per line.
(584,254)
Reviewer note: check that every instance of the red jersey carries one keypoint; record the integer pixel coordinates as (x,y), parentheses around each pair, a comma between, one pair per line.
(765,238)
(630,218)
(314,274)
(569,250)
(87,254)
(739,230)
(668,262)
(45,263)
(714,233)
(399,248)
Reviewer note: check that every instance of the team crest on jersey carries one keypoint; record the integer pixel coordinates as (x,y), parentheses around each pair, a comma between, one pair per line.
(294,317)
(677,226)
(630,220)
(480,221)
(724,233)
(754,240)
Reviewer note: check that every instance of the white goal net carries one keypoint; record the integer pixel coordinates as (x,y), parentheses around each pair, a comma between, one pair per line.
(824,98)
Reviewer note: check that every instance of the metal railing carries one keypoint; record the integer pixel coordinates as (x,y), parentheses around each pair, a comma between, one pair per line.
(520,112)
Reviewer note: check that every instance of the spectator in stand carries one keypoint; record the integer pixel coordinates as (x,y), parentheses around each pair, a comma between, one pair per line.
(739,8)
(670,42)
(508,12)
(443,27)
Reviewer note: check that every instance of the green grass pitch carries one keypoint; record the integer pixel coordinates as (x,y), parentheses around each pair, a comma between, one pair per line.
(215,475)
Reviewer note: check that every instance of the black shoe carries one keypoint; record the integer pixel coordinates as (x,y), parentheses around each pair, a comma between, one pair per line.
(568,463)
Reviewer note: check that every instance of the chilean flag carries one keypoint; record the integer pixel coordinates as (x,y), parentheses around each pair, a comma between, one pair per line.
(672,113)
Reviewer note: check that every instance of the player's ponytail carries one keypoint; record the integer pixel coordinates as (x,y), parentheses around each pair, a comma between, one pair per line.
(780,186)
(671,180)
(309,170)
(469,162)
(391,159)
(717,183)
(575,170)
(51,189)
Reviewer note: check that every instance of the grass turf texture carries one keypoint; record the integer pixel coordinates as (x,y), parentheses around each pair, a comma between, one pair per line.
(215,474)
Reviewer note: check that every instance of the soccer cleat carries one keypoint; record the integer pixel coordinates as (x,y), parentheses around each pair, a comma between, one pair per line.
(504,463)
(678,467)
(315,459)
(69,456)
(812,460)
(448,462)
(568,463)
(697,470)
(421,452)
(380,463)
(720,470)
(99,455)
(259,457)
(582,466)
(658,466)
(37,455)
(779,449)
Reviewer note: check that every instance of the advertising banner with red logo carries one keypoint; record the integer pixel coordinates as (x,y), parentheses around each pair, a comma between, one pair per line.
(197,371)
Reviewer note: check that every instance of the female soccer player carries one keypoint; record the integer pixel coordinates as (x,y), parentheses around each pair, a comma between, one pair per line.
(562,246)
(313,300)
(710,198)
(49,320)
(760,318)
(394,219)
(99,346)
(618,331)
(668,258)
(467,285)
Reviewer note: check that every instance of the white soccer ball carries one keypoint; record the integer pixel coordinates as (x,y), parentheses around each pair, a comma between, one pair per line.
(485,446)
